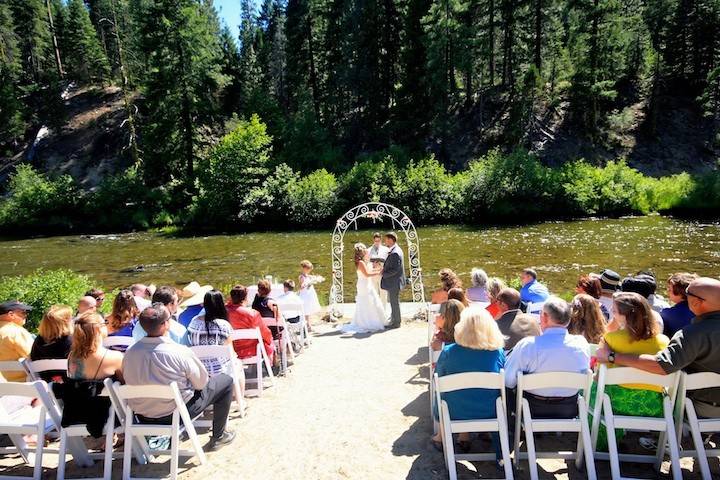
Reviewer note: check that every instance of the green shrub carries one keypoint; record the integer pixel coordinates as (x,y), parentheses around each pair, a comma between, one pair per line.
(236,166)
(43,289)
(369,181)
(36,203)
(271,202)
(313,199)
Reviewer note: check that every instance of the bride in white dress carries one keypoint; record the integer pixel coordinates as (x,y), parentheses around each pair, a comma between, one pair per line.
(369,311)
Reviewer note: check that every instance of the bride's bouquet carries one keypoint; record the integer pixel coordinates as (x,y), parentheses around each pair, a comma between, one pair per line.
(314,279)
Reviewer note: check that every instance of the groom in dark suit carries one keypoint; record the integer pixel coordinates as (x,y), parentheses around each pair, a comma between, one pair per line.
(393,277)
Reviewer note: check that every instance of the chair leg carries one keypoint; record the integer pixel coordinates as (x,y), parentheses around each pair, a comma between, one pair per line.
(62,449)
(607,413)
(529,440)
(21,446)
(448,446)
(518,432)
(175,447)
(37,471)
(586,442)
(672,441)
(504,440)
(697,440)
(127,448)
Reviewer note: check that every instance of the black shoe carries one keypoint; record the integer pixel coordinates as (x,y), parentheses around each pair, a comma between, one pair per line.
(393,325)
(226,438)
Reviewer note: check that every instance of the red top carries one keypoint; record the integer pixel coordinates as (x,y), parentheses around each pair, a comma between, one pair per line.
(493,309)
(244,317)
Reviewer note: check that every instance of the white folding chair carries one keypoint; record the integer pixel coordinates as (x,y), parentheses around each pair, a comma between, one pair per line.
(80,431)
(524,421)
(23,419)
(134,430)
(433,355)
(118,342)
(140,448)
(535,309)
(697,426)
(603,414)
(259,359)
(226,355)
(14,366)
(593,349)
(298,329)
(462,381)
(283,344)
(35,368)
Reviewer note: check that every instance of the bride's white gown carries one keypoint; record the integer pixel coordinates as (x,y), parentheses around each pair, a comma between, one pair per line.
(369,310)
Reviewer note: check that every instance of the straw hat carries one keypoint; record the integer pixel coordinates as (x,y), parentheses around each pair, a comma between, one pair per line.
(197,298)
(190,289)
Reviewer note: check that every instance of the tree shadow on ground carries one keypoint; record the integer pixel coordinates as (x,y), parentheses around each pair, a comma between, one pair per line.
(418,358)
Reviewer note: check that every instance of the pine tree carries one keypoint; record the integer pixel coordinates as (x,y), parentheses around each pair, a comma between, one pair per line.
(231,68)
(183,83)
(85,60)
(12,123)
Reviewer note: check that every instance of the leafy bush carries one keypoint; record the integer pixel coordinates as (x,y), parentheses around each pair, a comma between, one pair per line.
(313,199)
(235,168)
(369,181)
(37,203)
(42,289)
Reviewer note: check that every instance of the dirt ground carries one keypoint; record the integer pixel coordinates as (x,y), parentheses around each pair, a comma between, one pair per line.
(352,407)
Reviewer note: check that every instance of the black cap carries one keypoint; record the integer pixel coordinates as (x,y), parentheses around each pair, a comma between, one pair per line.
(12,305)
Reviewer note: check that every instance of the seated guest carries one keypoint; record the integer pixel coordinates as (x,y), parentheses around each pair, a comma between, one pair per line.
(123,317)
(448,280)
(478,347)
(514,324)
(458,294)
(478,291)
(291,298)
(591,286)
(98,295)
(211,328)
(142,294)
(89,363)
(191,306)
(679,315)
(656,301)
(586,319)
(532,291)
(610,283)
(448,317)
(643,285)
(556,350)
(54,339)
(692,349)
(240,316)
(267,307)
(15,341)
(167,296)
(495,285)
(157,360)
(86,304)
(638,334)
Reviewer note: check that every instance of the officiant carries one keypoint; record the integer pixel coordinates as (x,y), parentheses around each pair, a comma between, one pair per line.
(378,254)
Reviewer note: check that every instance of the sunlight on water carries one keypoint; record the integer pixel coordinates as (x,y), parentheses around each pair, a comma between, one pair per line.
(560,251)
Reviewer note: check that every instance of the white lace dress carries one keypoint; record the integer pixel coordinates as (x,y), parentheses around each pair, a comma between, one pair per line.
(369,311)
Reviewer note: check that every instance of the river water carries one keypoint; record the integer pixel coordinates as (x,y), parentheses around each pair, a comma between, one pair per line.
(560,251)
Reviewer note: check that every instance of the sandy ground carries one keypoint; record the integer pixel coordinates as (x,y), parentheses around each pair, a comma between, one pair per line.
(352,407)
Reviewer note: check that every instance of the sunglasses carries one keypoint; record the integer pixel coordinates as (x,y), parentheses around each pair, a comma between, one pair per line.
(690,294)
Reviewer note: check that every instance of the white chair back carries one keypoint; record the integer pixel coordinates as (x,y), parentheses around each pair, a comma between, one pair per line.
(581,382)
(535,309)
(226,356)
(284,347)
(259,359)
(36,368)
(126,393)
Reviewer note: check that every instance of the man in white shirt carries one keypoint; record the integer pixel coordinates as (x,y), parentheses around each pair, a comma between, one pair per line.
(157,360)
(378,254)
(554,351)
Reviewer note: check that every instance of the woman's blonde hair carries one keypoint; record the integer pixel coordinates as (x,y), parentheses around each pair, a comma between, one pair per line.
(639,319)
(56,323)
(494,286)
(359,252)
(306,264)
(477,330)
(87,336)
(448,279)
(450,312)
(586,318)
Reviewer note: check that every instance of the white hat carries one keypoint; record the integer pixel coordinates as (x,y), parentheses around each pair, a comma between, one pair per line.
(190,289)
(197,298)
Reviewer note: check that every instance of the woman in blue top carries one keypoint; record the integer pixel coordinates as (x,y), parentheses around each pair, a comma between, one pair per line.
(679,315)
(478,347)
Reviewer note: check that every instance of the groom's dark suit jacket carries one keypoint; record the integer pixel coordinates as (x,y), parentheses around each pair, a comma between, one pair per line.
(393,277)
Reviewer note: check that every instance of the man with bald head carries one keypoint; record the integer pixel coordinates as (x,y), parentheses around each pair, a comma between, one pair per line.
(87,304)
(692,349)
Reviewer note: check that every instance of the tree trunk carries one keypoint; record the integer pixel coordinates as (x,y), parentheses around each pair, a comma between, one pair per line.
(491,41)
(58,61)
(313,73)
(593,63)
(538,35)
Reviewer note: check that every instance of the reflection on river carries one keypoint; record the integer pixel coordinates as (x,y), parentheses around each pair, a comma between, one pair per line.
(560,251)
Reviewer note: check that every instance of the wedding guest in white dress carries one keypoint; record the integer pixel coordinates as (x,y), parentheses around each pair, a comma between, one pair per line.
(307,292)
(378,254)
(369,312)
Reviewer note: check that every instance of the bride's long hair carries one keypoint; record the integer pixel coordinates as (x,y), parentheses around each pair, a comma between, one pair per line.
(359,255)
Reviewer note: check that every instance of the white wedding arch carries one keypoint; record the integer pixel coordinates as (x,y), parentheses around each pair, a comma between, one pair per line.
(374,211)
